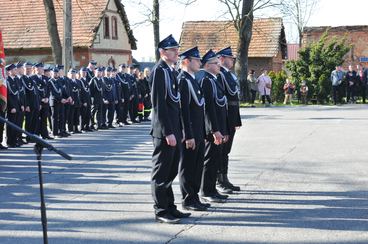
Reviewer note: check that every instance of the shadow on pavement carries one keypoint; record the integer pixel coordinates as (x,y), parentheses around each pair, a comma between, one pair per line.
(345,211)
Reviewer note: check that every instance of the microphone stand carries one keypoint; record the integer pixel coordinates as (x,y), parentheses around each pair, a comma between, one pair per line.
(39,146)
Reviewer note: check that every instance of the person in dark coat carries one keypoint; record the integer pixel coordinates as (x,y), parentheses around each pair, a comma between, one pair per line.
(134,99)
(147,96)
(122,78)
(216,126)
(141,95)
(67,106)
(85,97)
(192,109)
(74,113)
(166,133)
(33,105)
(109,99)
(57,101)
(41,82)
(13,105)
(351,83)
(233,116)
(118,86)
(91,68)
(96,86)
(22,97)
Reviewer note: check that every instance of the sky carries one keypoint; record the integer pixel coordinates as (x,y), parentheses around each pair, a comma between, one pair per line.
(327,13)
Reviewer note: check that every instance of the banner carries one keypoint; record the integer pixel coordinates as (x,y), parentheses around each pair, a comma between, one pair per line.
(3,88)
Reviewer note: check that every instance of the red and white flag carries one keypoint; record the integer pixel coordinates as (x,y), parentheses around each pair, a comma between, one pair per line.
(3,88)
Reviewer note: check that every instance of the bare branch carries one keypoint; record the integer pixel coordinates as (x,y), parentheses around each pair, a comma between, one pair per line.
(186,3)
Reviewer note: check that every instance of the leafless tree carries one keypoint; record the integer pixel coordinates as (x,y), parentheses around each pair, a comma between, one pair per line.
(152,16)
(53,31)
(299,13)
(241,13)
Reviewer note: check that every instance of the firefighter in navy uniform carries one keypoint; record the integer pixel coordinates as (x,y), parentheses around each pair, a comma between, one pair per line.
(147,96)
(234,121)
(216,127)
(13,105)
(74,113)
(119,100)
(133,101)
(141,95)
(192,110)
(46,77)
(85,97)
(122,77)
(96,86)
(22,97)
(32,106)
(42,86)
(166,132)
(91,68)
(109,99)
(66,90)
(57,102)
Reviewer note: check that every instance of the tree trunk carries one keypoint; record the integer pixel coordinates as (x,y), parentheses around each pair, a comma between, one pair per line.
(300,35)
(156,26)
(53,31)
(245,35)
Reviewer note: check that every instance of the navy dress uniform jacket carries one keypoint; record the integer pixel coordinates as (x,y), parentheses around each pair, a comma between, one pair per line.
(231,91)
(192,112)
(166,111)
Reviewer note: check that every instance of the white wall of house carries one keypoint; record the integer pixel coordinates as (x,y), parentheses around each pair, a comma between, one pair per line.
(102,59)
(122,42)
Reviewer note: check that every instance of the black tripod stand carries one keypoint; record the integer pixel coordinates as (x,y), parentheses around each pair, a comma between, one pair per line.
(39,146)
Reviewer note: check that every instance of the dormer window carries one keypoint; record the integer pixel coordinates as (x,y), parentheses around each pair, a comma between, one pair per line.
(106,27)
(114,27)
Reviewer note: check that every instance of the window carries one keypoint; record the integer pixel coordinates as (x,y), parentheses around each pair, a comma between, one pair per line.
(114,27)
(106,27)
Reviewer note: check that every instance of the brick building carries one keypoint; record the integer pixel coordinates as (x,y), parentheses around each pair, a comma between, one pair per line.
(267,48)
(101,31)
(357,36)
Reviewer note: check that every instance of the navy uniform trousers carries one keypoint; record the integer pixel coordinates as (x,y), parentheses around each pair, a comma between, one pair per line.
(165,162)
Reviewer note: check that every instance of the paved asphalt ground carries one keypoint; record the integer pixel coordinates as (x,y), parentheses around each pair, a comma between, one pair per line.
(303,173)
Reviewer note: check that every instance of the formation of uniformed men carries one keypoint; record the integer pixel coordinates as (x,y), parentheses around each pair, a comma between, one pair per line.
(92,98)
(193,125)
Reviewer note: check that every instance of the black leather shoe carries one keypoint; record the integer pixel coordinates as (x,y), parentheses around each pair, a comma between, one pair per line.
(224,189)
(206,205)
(21,142)
(228,184)
(167,219)
(234,188)
(177,214)
(48,138)
(103,127)
(212,199)
(195,207)
(3,147)
(221,196)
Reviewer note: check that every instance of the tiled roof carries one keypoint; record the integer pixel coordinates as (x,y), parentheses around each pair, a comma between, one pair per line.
(23,22)
(346,28)
(265,41)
